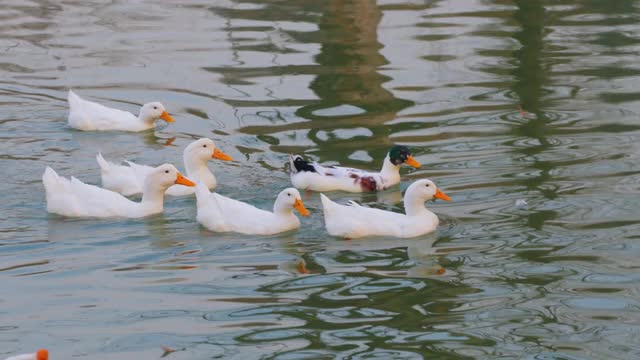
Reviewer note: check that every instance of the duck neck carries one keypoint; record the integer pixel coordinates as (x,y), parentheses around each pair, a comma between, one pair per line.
(390,172)
(146,119)
(153,196)
(196,168)
(281,209)
(413,204)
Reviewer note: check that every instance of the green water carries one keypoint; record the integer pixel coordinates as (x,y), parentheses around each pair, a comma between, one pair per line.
(539,245)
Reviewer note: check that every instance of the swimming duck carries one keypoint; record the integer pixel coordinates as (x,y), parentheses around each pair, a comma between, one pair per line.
(129,180)
(90,116)
(313,176)
(354,221)
(74,198)
(221,214)
(41,354)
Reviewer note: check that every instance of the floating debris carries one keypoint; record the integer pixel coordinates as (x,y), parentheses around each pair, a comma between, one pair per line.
(169,141)
(301,266)
(167,350)
(296,266)
(522,112)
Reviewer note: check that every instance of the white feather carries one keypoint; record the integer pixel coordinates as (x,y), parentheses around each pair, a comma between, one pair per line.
(355,221)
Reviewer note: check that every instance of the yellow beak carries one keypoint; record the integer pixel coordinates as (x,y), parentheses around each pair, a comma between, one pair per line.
(299,205)
(442,196)
(411,161)
(181,180)
(166,117)
(217,154)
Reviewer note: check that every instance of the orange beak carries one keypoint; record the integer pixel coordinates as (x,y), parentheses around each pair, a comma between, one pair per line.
(181,180)
(166,117)
(411,161)
(299,205)
(442,196)
(217,154)
(42,354)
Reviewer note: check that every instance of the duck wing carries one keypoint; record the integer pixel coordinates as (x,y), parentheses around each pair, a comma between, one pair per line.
(368,180)
(243,217)
(220,213)
(354,220)
(127,180)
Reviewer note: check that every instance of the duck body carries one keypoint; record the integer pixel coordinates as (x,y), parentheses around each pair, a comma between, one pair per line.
(313,176)
(129,180)
(41,354)
(73,198)
(90,116)
(338,178)
(222,214)
(354,221)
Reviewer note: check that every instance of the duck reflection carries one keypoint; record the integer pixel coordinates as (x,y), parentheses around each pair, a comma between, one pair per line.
(346,77)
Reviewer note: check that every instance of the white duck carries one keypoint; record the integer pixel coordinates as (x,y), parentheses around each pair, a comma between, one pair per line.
(221,214)
(74,198)
(129,180)
(313,176)
(354,221)
(90,116)
(41,354)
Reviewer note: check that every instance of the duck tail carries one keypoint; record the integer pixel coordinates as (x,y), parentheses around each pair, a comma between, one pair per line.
(72,97)
(326,205)
(51,180)
(298,164)
(292,166)
(49,175)
(105,166)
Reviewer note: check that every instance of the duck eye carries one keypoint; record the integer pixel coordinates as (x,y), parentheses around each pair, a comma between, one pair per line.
(204,145)
(288,194)
(155,108)
(166,171)
(427,185)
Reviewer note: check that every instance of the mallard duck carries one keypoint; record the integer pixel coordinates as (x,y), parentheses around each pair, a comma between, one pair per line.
(129,180)
(222,214)
(41,354)
(90,116)
(313,176)
(355,221)
(74,198)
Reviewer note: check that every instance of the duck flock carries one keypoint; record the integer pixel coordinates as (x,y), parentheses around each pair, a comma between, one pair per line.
(74,198)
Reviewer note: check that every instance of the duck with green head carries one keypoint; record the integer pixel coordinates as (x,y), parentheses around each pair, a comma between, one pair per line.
(313,176)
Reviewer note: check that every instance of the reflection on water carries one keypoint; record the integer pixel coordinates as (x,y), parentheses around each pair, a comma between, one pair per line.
(502,101)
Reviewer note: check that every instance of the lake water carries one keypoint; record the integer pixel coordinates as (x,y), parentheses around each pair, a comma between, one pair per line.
(524,112)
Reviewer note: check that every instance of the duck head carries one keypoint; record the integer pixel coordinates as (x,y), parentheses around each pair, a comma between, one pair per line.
(166,175)
(399,155)
(153,111)
(290,199)
(426,190)
(203,150)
